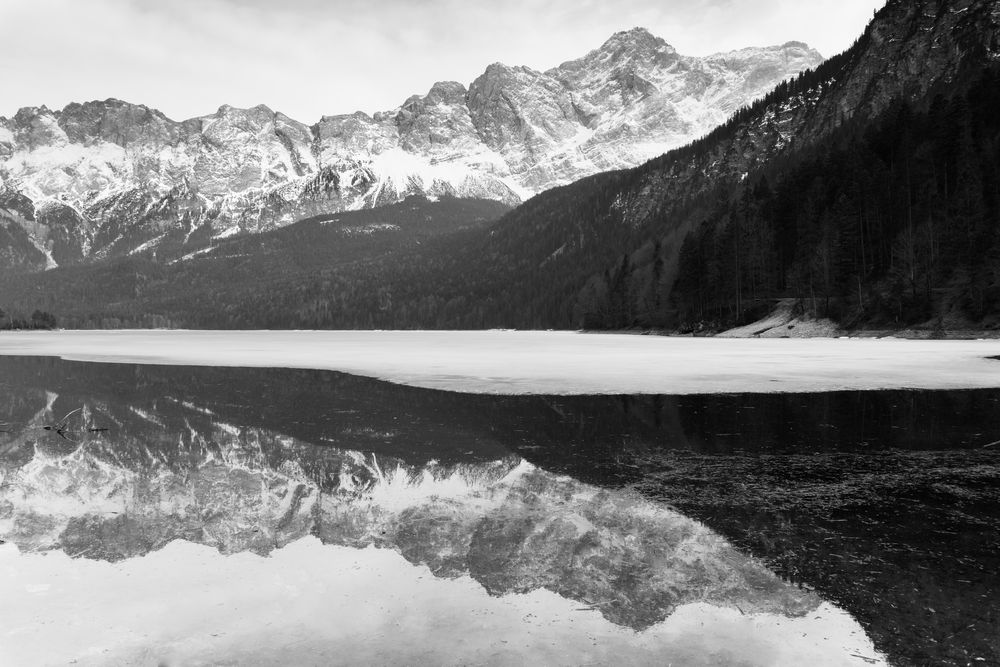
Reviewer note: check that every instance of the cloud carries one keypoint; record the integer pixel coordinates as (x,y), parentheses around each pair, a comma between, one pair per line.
(314,57)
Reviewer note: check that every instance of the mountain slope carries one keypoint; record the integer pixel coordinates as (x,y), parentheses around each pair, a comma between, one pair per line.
(222,279)
(604,251)
(132,179)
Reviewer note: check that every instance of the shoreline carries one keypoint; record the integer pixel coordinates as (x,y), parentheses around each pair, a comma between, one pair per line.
(911,333)
(864,334)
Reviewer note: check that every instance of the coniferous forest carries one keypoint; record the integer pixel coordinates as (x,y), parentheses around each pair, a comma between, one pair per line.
(892,224)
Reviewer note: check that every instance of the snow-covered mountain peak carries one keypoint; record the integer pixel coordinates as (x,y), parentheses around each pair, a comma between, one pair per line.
(38,127)
(789,51)
(446,92)
(140,181)
(118,122)
(638,41)
(792,44)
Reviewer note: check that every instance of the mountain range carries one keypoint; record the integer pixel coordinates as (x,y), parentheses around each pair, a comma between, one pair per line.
(864,191)
(105,179)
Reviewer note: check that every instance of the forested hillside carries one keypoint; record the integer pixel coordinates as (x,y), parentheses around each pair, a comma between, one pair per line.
(245,281)
(892,223)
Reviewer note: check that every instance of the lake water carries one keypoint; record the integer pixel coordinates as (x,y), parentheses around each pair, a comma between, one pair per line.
(199,515)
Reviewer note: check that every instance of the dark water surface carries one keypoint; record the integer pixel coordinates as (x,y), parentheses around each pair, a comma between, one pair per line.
(885,503)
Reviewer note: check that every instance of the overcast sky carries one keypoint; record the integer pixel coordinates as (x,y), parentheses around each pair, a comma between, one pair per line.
(309,58)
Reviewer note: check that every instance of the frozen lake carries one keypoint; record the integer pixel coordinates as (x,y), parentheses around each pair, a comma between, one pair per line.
(531,362)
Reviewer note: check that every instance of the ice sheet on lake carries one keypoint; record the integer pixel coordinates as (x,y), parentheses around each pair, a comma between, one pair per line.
(534,362)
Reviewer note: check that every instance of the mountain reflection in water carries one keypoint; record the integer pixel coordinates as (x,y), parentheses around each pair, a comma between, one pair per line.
(574,495)
(174,469)
(508,525)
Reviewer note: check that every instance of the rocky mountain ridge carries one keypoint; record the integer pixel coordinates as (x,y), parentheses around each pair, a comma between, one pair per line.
(111,178)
